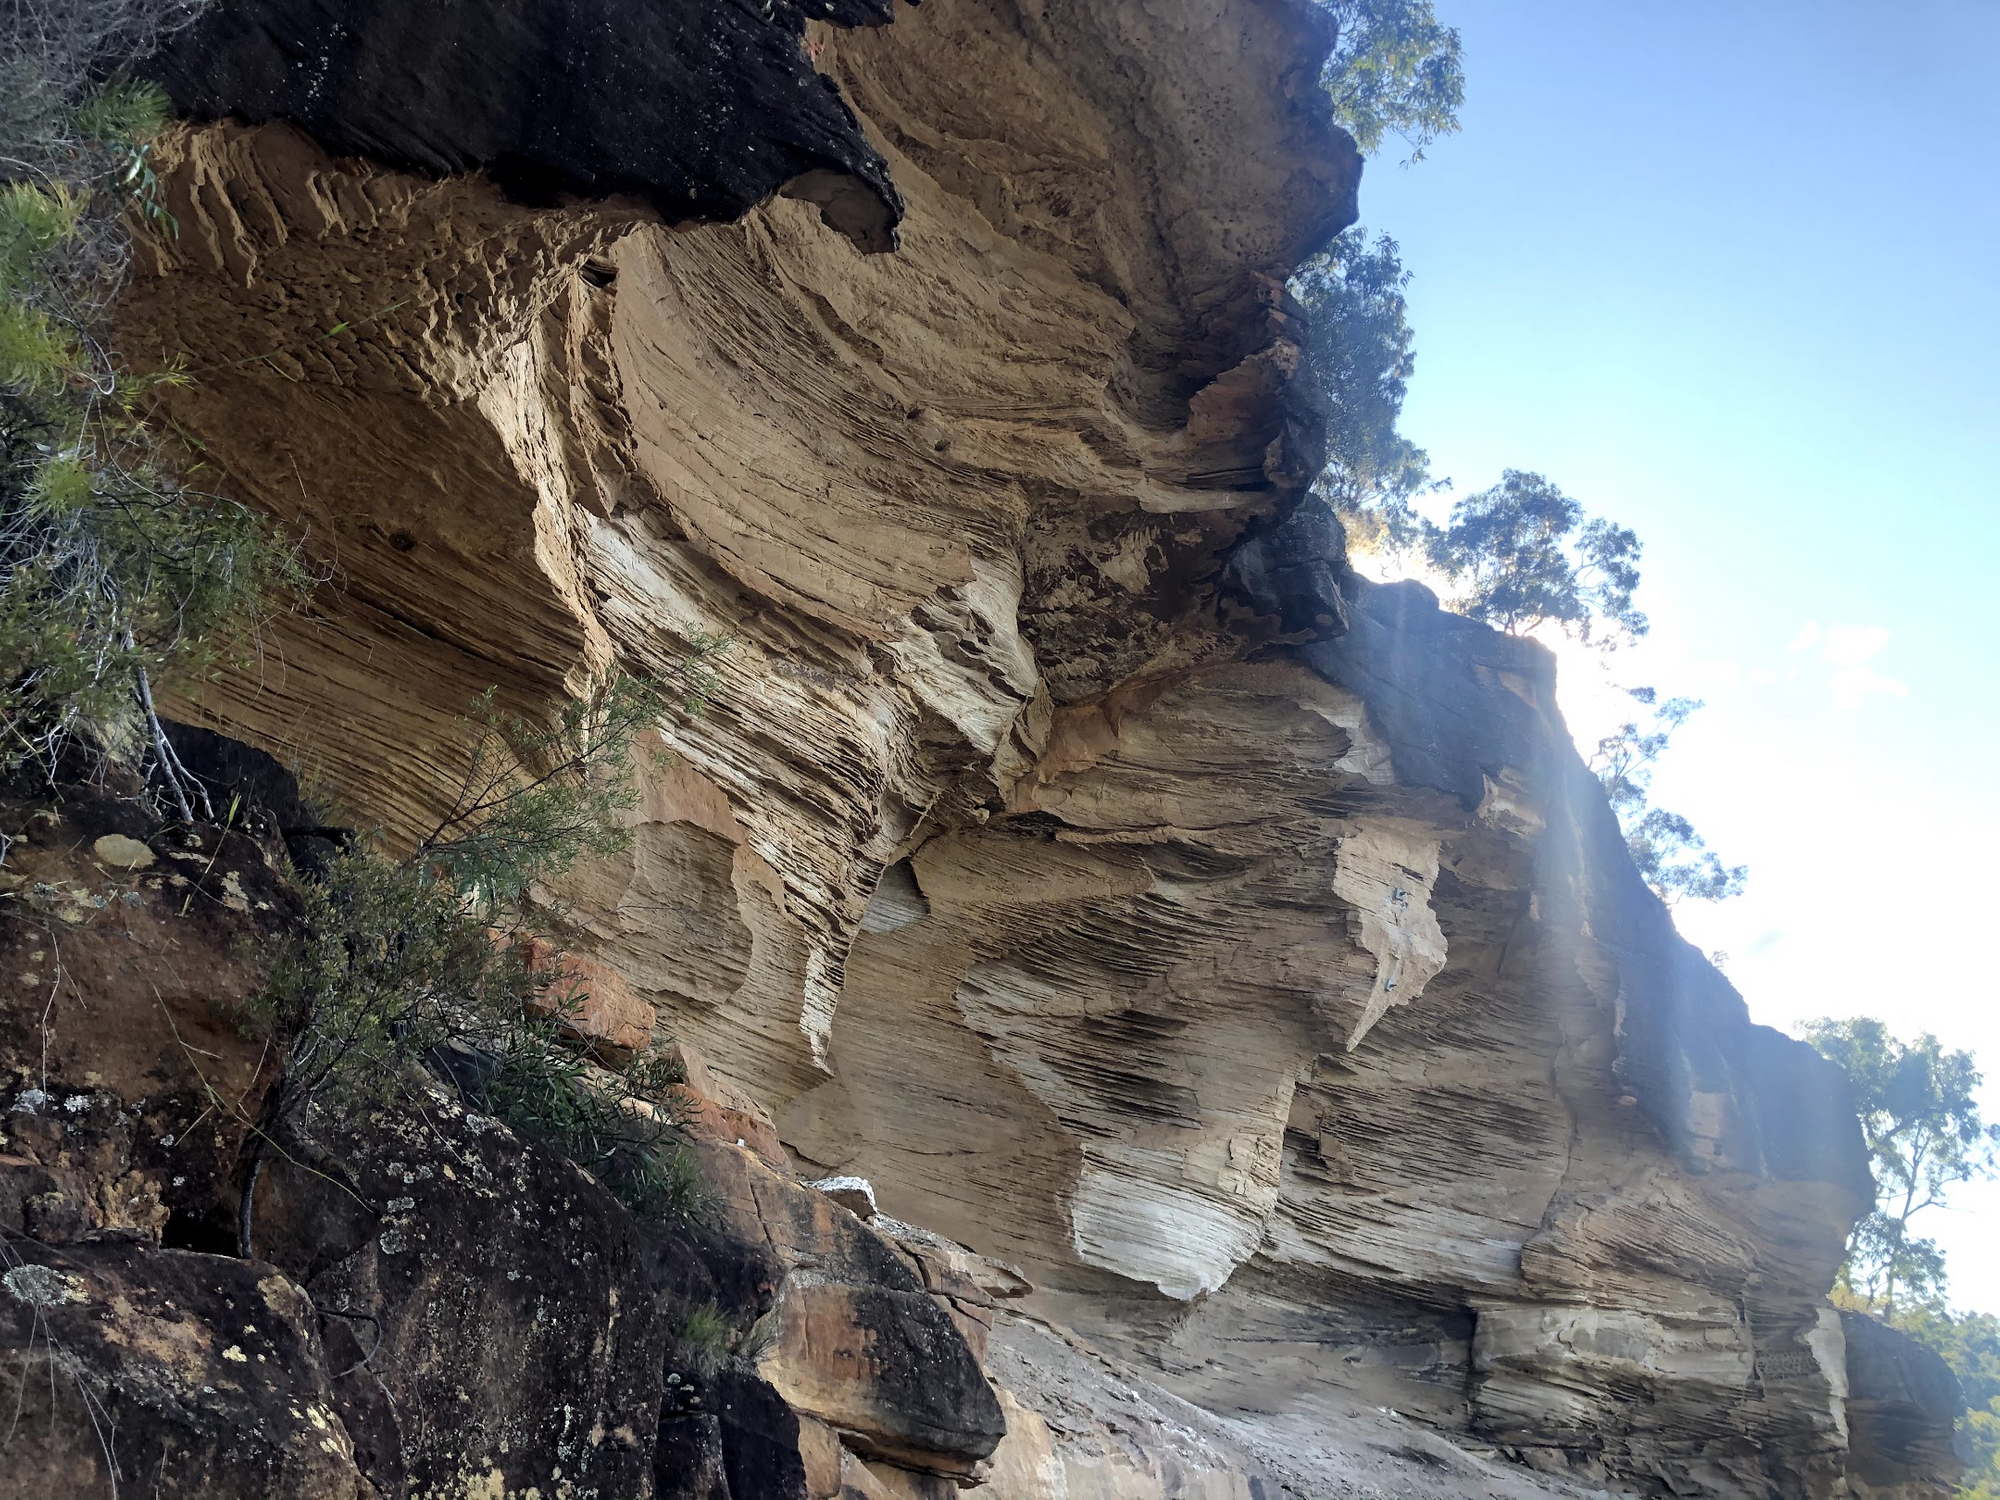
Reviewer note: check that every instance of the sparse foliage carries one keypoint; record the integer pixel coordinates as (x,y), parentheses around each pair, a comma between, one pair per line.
(1920,1117)
(414,962)
(535,798)
(68,117)
(113,573)
(1675,860)
(701,1329)
(1519,555)
(1395,70)
(1625,758)
(616,1126)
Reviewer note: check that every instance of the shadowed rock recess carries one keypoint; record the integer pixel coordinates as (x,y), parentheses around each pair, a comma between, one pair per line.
(1272,1075)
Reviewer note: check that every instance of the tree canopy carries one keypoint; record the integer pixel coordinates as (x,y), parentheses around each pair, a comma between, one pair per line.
(1395,70)
(1524,554)
(1970,1344)
(1520,554)
(1920,1117)
(1360,357)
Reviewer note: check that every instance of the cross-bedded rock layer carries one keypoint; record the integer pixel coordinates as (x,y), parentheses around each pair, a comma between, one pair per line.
(1071,845)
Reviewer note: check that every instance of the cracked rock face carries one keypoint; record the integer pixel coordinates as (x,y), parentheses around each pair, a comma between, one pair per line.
(1071,847)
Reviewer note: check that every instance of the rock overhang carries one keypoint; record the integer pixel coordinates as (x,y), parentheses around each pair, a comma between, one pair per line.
(1008,530)
(700,110)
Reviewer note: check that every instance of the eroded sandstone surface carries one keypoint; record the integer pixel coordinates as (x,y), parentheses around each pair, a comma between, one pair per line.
(1227,963)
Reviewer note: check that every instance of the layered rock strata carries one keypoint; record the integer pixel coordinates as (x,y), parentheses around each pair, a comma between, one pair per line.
(1072,846)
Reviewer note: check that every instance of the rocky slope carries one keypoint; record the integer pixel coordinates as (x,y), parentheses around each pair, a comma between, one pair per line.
(1074,847)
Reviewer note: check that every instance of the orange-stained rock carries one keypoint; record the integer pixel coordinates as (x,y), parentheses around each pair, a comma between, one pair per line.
(1025,1465)
(883,1365)
(593,1002)
(718,1108)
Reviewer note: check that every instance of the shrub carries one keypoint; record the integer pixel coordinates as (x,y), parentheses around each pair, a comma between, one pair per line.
(1921,1118)
(113,572)
(424,961)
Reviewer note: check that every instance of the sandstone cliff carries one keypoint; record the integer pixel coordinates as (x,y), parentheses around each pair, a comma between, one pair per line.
(1227,964)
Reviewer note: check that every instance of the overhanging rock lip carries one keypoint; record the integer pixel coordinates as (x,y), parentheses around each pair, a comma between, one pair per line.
(613,99)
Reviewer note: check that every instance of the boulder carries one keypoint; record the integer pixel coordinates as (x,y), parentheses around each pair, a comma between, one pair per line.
(856,1341)
(131,1370)
(855,1194)
(493,1312)
(1903,1405)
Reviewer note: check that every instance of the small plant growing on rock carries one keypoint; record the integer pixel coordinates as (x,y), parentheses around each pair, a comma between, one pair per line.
(702,1330)
(427,961)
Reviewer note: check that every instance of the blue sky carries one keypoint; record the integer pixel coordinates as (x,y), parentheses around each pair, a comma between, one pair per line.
(1730,274)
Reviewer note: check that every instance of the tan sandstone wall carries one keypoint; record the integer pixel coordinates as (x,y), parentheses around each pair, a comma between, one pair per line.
(1024,862)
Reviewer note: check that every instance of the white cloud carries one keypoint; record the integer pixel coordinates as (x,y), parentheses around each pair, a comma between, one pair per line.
(1851,651)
